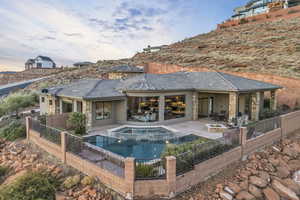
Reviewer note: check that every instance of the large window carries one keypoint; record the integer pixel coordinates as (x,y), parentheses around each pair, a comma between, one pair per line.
(143,109)
(174,107)
(103,110)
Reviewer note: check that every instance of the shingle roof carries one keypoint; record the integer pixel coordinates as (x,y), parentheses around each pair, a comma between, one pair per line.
(45,58)
(126,68)
(83,63)
(88,89)
(205,81)
(214,81)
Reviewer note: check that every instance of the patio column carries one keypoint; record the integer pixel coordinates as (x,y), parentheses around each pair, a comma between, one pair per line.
(255,105)
(161,108)
(262,98)
(60,106)
(273,100)
(74,105)
(195,105)
(233,105)
(87,110)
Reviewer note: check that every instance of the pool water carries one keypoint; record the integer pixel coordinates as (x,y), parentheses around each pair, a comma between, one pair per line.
(139,149)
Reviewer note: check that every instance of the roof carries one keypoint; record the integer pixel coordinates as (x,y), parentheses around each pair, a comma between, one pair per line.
(45,58)
(83,63)
(88,89)
(212,81)
(126,68)
(195,81)
(30,61)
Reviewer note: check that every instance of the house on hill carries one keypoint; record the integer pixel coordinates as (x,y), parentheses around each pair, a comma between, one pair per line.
(82,64)
(40,62)
(123,71)
(155,99)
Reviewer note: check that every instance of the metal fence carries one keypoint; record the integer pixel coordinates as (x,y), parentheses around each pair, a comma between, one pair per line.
(196,154)
(262,127)
(146,169)
(48,133)
(105,159)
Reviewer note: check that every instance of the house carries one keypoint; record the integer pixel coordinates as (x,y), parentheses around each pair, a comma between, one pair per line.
(255,7)
(159,98)
(40,62)
(82,64)
(123,71)
(151,49)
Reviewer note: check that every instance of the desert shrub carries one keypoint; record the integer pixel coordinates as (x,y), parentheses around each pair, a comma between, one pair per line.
(16,101)
(293,11)
(13,131)
(77,122)
(3,172)
(243,21)
(31,186)
(144,171)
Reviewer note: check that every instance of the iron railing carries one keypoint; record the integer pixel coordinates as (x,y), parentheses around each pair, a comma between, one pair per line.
(150,169)
(48,133)
(262,127)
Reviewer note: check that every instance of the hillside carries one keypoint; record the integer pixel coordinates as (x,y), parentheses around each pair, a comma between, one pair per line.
(269,47)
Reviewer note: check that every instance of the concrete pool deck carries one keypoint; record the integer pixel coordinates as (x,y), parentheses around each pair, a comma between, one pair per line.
(198,128)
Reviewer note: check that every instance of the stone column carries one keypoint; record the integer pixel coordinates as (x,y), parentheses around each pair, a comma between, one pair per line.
(63,146)
(87,110)
(75,109)
(273,100)
(233,105)
(129,177)
(255,105)
(161,108)
(60,106)
(171,175)
(195,99)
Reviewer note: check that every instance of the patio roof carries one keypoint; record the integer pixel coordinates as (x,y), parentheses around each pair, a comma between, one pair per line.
(198,81)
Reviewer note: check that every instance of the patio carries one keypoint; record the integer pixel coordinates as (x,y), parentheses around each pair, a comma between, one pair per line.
(198,128)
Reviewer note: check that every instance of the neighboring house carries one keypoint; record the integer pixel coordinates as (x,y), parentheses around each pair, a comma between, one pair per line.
(150,49)
(82,64)
(40,62)
(151,99)
(123,71)
(255,7)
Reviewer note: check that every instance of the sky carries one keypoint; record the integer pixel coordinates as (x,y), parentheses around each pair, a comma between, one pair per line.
(69,31)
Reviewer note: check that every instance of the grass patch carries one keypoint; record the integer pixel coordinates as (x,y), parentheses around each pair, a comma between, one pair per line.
(13,131)
(31,186)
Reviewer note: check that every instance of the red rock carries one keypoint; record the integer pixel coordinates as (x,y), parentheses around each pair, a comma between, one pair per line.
(289,183)
(270,194)
(234,187)
(284,191)
(258,181)
(243,195)
(282,172)
(255,191)
(294,165)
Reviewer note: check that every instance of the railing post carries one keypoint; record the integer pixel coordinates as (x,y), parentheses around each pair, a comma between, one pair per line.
(129,177)
(63,146)
(243,139)
(171,175)
(28,127)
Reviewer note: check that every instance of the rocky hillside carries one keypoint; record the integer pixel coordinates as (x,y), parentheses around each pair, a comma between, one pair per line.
(269,47)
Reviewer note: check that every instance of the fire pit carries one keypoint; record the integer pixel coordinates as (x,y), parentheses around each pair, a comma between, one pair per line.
(216,128)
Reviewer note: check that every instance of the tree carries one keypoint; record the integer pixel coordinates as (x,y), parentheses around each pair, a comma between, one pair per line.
(77,122)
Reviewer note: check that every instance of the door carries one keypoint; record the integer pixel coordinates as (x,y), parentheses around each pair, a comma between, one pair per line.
(203,107)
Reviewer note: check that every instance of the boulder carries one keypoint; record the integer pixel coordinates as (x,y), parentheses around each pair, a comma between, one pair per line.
(243,195)
(270,194)
(258,181)
(234,187)
(264,175)
(284,191)
(225,195)
(294,165)
(71,181)
(289,183)
(282,172)
(87,180)
(255,191)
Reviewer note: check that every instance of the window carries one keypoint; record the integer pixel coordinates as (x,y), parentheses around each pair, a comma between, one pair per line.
(103,110)
(143,109)
(50,102)
(43,99)
(174,107)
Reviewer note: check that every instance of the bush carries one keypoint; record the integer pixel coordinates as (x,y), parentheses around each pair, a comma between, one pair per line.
(31,186)
(13,131)
(14,102)
(3,172)
(145,171)
(243,21)
(77,122)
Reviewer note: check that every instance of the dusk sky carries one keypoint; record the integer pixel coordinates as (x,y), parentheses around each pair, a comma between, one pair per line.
(89,30)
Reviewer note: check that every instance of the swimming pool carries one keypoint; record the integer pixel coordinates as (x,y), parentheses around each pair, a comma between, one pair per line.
(140,143)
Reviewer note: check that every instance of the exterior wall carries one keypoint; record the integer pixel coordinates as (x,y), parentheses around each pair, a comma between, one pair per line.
(221,101)
(120,75)
(266,17)
(290,122)
(147,188)
(121,111)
